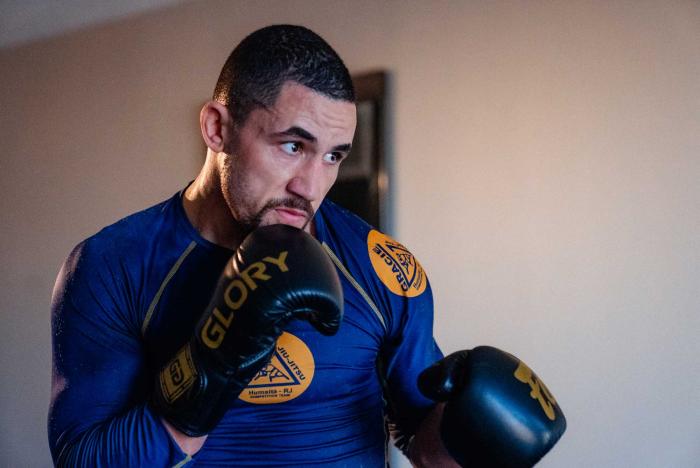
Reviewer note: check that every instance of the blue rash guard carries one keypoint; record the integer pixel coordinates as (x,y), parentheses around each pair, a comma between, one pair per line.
(129,297)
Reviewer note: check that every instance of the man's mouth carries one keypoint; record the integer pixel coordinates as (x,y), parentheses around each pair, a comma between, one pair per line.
(292,211)
(291,215)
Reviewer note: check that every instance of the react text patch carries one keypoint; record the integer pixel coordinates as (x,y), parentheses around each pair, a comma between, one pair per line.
(395,266)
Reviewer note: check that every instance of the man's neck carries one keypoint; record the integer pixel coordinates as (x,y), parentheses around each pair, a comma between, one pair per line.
(208,212)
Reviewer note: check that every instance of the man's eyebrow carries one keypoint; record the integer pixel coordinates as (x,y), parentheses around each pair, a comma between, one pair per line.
(343,148)
(301,133)
(298,132)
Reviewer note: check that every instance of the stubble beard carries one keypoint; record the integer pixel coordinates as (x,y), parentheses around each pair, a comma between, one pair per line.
(245,219)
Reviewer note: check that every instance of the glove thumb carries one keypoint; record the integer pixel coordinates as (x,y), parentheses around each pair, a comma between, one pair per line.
(443,379)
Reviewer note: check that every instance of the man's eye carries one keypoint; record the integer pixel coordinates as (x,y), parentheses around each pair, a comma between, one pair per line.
(291,147)
(333,158)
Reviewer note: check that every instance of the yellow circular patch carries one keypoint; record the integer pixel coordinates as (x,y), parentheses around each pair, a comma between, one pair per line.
(288,374)
(395,265)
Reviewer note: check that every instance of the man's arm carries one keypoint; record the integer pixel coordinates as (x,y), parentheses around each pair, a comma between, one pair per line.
(97,415)
(409,346)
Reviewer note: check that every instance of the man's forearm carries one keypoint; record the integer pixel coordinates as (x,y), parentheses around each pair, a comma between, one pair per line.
(135,438)
(427,449)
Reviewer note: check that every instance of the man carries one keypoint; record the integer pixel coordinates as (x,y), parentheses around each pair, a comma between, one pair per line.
(128,298)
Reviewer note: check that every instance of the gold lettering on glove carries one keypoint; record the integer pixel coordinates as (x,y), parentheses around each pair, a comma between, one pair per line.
(538,391)
(178,375)
(235,296)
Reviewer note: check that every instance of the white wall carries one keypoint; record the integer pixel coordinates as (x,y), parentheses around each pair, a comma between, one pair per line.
(547,158)
(25,21)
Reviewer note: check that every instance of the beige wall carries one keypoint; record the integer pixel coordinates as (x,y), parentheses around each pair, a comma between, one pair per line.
(547,159)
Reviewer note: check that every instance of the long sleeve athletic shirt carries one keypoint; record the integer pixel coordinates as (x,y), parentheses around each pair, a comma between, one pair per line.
(129,297)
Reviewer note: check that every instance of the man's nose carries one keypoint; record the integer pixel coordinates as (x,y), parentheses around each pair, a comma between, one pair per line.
(307,180)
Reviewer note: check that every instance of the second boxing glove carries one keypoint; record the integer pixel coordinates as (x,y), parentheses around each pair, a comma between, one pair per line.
(498,412)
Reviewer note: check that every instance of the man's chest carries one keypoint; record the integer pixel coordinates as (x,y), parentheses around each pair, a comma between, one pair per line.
(303,358)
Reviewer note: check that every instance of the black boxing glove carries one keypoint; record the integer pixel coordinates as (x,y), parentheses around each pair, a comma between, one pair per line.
(278,273)
(498,412)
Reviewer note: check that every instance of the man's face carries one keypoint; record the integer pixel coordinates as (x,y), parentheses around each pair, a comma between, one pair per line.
(284,159)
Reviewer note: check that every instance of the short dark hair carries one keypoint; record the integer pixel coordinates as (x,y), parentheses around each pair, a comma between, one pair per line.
(258,67)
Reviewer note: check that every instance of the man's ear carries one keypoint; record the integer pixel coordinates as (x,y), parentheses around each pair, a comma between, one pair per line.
(215,123)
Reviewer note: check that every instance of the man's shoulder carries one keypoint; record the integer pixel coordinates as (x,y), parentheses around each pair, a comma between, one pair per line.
(345,227)
(372,256)
(343,223)
(129,238)
(114,265)
(135,230)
